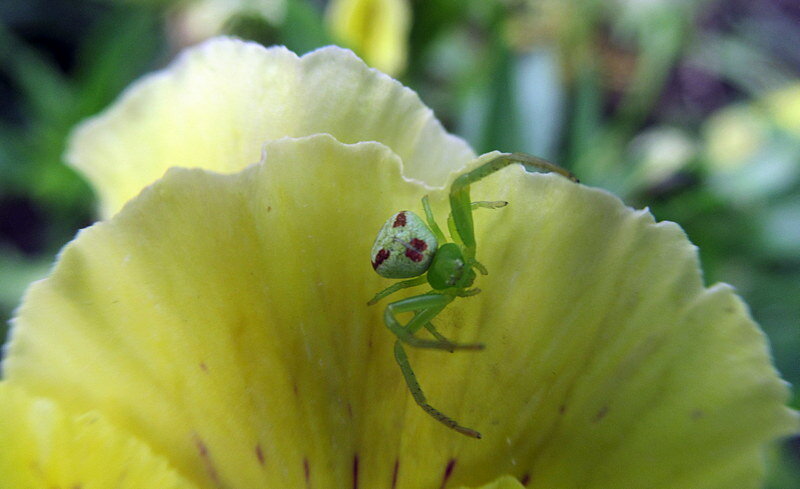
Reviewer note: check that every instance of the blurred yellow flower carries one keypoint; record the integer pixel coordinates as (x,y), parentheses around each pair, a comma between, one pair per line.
(375,29)
(733,136)
(750,148)
(784,106)
(214,332)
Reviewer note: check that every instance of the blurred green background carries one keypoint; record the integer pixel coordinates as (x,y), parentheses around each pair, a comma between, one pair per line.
(690,107)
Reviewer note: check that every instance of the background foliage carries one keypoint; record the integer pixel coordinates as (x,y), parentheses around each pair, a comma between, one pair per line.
(690,107)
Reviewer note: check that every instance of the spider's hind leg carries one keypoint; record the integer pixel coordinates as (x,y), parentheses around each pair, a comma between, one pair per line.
(455,346)
(425,307)
(419,396)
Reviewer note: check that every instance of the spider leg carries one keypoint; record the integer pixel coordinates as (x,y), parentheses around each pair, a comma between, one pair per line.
(395,287)
(460,204)
(419,396)
(425,307)
(469,292)
(488,204)
(432,222)
(457,346)
(529,162)
(481,268)
(481,204)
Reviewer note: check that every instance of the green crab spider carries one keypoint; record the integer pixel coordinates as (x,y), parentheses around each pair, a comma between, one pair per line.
(406,247)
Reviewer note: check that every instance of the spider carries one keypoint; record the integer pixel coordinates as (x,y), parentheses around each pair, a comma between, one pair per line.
(408,248)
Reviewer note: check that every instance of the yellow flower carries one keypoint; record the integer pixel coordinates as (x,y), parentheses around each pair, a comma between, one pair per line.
(375,29)
(214,332)
(784,106)
(734,136)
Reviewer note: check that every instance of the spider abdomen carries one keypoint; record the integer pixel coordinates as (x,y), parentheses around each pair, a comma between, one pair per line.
(404,248)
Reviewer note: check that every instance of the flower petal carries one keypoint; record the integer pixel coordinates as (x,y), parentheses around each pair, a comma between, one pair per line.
(217,105)
(46,448)
(505,482)
(637,376)
(222,320)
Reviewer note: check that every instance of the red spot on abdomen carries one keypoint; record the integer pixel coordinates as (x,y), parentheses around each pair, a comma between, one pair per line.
(400,220)
(417,245)
(381,257)
(414,255)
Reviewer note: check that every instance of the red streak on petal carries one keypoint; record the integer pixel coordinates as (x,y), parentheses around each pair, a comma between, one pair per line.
(400,220)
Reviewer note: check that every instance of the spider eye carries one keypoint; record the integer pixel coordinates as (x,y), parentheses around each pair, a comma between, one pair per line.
(404,247)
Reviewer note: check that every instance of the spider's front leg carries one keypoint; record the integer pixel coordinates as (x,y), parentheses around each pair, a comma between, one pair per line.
(461,206)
